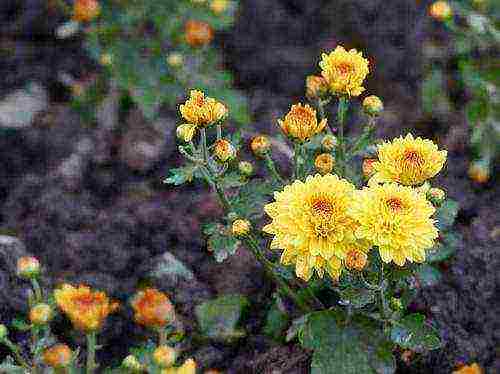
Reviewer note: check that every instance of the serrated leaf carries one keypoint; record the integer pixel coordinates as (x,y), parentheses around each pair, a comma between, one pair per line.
(356,297)
(413,333)
(277,320)
(446,214)
(220,241)
(444,248)
(218,319)
(181,175)
(252,197)
(232,180)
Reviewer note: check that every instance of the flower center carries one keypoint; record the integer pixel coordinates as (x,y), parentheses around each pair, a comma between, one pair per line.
(322,208)
(302,115)
(394,203)
(344,68)
(413,158)
(85,301)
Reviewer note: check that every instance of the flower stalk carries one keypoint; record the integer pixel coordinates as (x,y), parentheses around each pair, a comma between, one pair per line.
(271,166)
(341,150)
(91,350)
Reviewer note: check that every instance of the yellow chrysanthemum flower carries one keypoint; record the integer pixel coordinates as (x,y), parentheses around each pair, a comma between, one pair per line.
(469,369)
(86,309)
(188,367)
(408,161)
(301,123)
(344,71)
(202,111)
(397,219)
(310,223)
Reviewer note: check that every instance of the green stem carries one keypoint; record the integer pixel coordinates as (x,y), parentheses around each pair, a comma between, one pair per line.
(219,132)
(341,150)
(38,291)
(297,160)
(204,148)
(381,291)
(91,348)
(322,114)
(17,354)
(272,168)
(269,268)
(162,334)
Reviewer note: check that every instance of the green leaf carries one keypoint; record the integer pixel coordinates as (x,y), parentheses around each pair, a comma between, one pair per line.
(20,324)
(357,298)
(446,214)
(252,197)
(220,241)
(277,320)
(218,318)
(345,349)
(11,368)
(181,175)
(427,275)
(413,333)
(444,248)
(232,179)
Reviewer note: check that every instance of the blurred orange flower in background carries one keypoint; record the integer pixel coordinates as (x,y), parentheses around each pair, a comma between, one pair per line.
(152,308)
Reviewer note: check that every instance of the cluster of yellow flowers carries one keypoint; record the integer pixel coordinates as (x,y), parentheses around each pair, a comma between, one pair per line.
(325,222)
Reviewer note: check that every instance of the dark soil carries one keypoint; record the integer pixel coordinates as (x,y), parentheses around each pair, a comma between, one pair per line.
(106,224)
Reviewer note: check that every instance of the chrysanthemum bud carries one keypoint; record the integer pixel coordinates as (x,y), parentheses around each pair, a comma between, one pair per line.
(396,303)
(440,10)
(241,227)
(224,151)
(219,6)
(175,59)
(436,196)
(368,169)
(198,33)
(86,10)
(153,308)
(164,356)
(329,142)
(41,314)
(324,163)
(372,105)
(316,87)
(245,168)
(106,59)
(356,260)
(185,132)
(28,267)
(301,123)
(132,363)
(58,356)
(260,145)
(479,172)
(4,332)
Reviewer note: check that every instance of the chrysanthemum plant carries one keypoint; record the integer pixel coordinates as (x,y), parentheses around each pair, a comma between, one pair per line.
(87,310)
(150,51)
(474,37)
(344,248)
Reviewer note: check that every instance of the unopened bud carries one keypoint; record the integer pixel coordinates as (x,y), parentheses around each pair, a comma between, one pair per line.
(241,227)
(436,196)
(372,105)
(368,169)
(41,314)
(198,33)
(324,163)
(245,168)
(440,10)
(4,332)
(164,356)
(316,87)
(132,363)
(356,260)
(396,303)
(175,59)
(106,59)
(185,132)
(28,267)
(260,145)
(86,10)
(329,142)
(224,151)
(58,356)
(478,172)
(219,6)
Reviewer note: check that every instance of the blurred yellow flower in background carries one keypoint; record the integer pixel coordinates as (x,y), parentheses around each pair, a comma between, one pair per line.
(301,123)
(397,219)
(311,224)
(440,10)
(198,33)
(469,369)
(408,161)
(202,111)
(344,71)
(58,356)
(188,367)
(86,309)
(316,86)
(86,10)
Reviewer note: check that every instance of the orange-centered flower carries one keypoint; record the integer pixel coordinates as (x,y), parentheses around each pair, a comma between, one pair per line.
(301,123)
(152,308)
(86,309)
